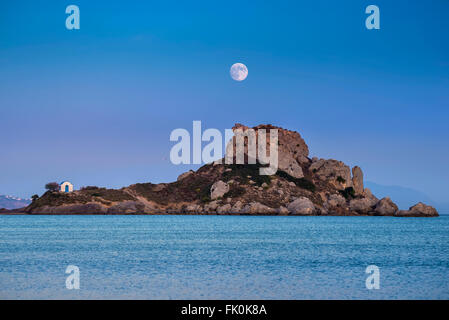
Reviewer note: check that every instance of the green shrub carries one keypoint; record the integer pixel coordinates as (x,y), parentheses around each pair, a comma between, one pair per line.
(204,193)
(242,171)
(234,192)
(341,179)
(348,193)
(305,184)
(205,199)
(301,182)
(52,186)
(87,188)
(106,194)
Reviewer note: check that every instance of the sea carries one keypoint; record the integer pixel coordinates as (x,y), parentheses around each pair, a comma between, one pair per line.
(223,257)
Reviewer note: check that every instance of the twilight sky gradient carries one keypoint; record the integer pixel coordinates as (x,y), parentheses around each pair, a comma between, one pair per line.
(96,106)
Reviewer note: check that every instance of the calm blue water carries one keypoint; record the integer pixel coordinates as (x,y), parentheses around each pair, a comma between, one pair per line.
(223,257)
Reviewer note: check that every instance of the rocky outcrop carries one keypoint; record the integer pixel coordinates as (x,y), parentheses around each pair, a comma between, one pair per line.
(293,152)
(87,208)
(357,180)
(418,210)
(282,211)
(194,208)
(368,194)
(224,209)
(301,186)
(185,175)
(302,206)
(290,166)
(126,207)
(386,207)
(362,206)
(211,206)
(335,200)
(333,172)
(237,207)
(218,189)
(292,149)
(258,208)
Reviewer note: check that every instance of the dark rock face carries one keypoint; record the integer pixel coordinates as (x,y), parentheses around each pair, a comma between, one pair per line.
(301,186)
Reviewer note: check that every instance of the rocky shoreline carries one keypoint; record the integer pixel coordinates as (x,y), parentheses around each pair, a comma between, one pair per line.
(301,187)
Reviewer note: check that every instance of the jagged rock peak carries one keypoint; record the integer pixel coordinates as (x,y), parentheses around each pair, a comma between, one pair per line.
(292,149)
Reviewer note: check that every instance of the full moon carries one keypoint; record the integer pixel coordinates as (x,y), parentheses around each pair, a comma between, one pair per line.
(239,71)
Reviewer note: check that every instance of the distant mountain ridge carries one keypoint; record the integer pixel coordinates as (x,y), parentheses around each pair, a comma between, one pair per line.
(11,202)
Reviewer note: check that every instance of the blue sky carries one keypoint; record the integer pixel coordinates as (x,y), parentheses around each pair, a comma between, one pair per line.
(96,106)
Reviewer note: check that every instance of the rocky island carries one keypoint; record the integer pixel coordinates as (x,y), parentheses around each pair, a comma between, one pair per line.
(301,186)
